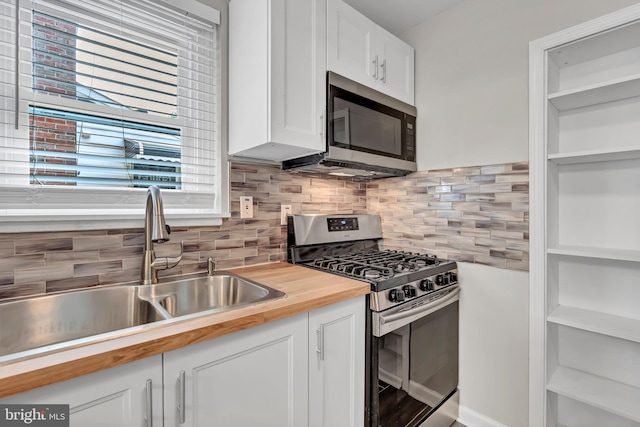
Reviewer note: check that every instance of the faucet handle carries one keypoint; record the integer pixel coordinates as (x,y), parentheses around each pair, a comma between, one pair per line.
(211,266)
(167,262)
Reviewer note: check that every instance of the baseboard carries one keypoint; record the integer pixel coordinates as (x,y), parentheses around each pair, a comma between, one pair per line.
(471,418)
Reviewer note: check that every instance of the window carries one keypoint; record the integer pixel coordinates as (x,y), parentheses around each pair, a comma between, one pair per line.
(107,98)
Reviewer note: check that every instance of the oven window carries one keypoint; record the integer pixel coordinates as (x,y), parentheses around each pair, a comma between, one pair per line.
(364,129)
(417,368)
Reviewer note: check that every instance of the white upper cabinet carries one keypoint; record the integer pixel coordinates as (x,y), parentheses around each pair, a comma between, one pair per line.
(278,54)
(360,50)
(277,74)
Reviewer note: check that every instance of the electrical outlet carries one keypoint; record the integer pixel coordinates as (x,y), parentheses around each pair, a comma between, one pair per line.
(246,207)
(284,211)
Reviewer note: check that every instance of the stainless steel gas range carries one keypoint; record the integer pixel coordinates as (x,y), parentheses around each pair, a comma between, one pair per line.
(412,321)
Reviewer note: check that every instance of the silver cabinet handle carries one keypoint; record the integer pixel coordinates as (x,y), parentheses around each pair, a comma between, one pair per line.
(375,68)
(181,397)
(322,125)
(149,393)
(384,71)
(320,334)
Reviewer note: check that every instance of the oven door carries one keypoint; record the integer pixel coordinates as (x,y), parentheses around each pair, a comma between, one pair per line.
(414,363)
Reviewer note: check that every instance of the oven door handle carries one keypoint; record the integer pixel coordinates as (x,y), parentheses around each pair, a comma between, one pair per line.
(389,322)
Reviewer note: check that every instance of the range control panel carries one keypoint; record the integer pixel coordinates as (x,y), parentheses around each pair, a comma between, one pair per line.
(342,224)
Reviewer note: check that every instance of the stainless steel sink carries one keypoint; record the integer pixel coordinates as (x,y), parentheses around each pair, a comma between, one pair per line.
(222,291)
(35,322)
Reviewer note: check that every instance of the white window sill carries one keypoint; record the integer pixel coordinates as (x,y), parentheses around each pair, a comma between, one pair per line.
(36,220)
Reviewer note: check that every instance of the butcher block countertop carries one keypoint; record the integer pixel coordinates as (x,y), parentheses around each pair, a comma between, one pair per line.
(306,290)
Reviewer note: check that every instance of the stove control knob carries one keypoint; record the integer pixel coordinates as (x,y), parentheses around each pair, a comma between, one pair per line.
(409,291)
(396,295)
(440,280)
(453,277)
(427,285)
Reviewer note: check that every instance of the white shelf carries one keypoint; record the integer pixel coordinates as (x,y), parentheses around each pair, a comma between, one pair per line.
(613,90)
(600,253)
(592,156)
(611,396)
(607,43)
(601,323)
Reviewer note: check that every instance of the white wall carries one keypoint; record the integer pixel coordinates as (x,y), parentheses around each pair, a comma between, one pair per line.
(472,76)
(494,346)
(472,101)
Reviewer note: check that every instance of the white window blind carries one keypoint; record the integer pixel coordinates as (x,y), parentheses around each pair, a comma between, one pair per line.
(100,99)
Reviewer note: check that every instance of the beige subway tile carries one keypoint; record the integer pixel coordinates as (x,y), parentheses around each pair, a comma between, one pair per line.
(496,188)
(491,261)
(100,268)
(109,278)
(453,180)
(517,265)
(513,177)
(26,289)
(18,262)
(71,257)
(33,275)
(229,244)
(491,243)
(466,171)
(518,245)
(69,283)
(492,207)
(6,249)
(512,235)
(508,254)
(25,247)
(97,243)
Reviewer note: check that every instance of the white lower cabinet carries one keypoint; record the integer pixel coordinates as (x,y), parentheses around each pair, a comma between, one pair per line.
(304,370)
(336,365)
(256,377)
(120,396)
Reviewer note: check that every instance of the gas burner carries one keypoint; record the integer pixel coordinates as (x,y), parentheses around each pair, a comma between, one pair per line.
(402,267)
(371,273)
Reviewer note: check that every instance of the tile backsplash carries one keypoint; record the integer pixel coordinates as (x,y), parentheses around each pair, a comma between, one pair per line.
(477,214)
(473,214)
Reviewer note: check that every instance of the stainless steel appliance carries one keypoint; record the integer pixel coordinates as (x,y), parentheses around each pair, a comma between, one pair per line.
(369,134)
(412,321)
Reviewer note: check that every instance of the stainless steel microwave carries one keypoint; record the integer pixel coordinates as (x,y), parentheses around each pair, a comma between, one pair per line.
(368,134)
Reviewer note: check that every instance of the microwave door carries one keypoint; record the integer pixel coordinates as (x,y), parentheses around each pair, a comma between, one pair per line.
(341,127)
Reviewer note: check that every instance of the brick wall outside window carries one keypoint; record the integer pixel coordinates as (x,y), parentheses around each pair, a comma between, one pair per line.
(56,75)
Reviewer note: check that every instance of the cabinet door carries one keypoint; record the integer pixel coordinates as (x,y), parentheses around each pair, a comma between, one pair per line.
(277,74)
(336,364)
(396,72)
(298,74)
(114,397)
(255,377)
(351,43)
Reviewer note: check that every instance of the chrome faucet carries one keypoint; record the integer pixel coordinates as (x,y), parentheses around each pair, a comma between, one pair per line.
(155,231)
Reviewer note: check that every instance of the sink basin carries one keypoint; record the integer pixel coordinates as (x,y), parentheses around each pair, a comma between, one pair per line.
(35,322)
(39,321)
(219,292)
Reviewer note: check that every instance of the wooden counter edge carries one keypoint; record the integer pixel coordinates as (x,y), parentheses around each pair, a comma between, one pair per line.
(66,364)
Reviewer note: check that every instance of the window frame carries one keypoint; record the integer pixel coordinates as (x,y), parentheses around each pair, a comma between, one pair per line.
(59,208)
